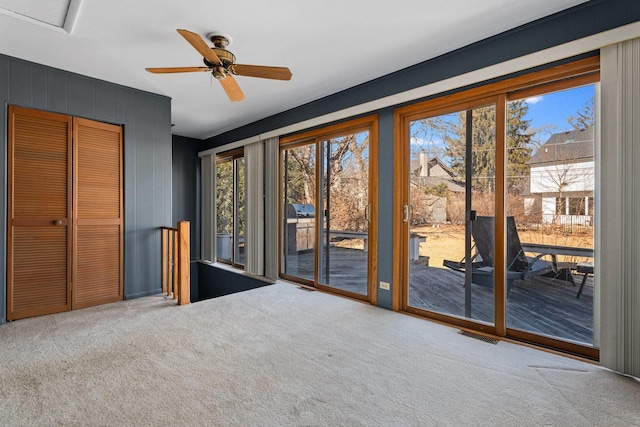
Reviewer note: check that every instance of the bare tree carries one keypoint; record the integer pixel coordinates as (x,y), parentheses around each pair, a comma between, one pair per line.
(563,167)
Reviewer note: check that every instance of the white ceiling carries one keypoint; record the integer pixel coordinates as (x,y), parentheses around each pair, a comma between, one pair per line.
(329,46)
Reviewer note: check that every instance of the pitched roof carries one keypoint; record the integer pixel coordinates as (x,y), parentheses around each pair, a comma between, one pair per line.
(565,147)
(432,181)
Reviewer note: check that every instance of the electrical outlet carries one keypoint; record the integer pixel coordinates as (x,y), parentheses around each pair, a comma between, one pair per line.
(385,285)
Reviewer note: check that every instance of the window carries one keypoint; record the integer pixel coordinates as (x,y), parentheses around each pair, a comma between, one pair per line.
(511,222)
(230,208)
(327,209)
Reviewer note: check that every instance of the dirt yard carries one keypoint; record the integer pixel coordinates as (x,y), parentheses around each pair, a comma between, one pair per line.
(447,241)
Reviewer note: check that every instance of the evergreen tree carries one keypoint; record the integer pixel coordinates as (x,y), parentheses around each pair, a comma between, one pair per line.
(483,136)
(518,145)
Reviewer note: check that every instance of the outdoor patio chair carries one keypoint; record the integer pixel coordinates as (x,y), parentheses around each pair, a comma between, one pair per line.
(519,266)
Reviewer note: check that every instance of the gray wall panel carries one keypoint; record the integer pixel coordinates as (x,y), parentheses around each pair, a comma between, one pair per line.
(147,156)
(120,105)
(385,209)
(186,198)
(186,187)
(147,240)
(57,90)
(39,87)
(4,77)
(4,95)
(106,107)
(130,203)
(81,92)
(20,88)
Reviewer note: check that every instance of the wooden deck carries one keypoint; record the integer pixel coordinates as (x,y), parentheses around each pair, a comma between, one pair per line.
(540,305)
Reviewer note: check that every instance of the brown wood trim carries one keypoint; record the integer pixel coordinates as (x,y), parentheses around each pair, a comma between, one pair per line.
(553,343)
(401,184)
(400,198)
(500,277)
(314,137)
(184,262)
(338,129)
(581,80)
(561,77)
(280,202)
(232,154)
(341,292)
(171,277)
(163,259)
(569,70)
(373,212)
(460,322)
(176,267)
(297,280)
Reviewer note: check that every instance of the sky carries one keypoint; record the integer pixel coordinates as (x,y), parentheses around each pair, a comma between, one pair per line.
(548,110)
(554,108)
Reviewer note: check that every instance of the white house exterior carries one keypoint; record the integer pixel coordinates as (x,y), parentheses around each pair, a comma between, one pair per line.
(562,178)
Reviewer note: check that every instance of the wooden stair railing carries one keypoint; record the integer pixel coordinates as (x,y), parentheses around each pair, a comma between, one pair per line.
(175,263)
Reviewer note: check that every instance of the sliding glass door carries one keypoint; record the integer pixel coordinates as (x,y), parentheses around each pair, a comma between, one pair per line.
(450,226)
(327,209)
(551,204)
(495,207)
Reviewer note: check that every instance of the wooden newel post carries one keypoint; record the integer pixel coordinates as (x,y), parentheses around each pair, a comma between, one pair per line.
(164,260)
(184,261)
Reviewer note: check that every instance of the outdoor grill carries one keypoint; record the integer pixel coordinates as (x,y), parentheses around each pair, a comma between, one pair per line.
(300,227)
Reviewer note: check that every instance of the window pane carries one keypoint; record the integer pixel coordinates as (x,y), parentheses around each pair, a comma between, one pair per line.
(240,213)
(299,190)
(344,250)
(224,210)
(452,172)
(551,190)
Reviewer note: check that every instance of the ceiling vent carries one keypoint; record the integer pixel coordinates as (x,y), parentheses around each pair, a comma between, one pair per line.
(54,14)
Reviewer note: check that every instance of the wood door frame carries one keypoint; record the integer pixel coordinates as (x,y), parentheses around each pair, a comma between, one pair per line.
(401,199)
(368,123)
(580,72)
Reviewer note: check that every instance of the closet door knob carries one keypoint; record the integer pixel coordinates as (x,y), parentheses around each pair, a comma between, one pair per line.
(57,222)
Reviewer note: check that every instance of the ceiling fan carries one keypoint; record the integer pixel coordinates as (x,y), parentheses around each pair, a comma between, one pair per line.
(221,64)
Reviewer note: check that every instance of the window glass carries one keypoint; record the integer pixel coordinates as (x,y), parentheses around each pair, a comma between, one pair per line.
(551,192)
(230,208)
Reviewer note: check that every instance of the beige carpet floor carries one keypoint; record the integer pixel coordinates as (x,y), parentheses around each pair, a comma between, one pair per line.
(282,356)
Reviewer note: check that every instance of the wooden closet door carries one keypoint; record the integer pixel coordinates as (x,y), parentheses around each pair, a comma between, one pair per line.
(97,214)
(39,207)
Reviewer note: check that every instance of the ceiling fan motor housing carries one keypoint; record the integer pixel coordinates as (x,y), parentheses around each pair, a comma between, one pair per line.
(226,58)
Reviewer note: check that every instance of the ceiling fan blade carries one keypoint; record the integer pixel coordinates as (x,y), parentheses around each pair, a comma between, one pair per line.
(176,70)
(231,87)
(199,44)
(277,73)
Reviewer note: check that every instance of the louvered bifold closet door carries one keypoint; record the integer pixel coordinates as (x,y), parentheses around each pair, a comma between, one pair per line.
(38,238)
(97,214)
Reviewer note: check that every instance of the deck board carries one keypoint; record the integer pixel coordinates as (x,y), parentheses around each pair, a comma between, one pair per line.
(540,305)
